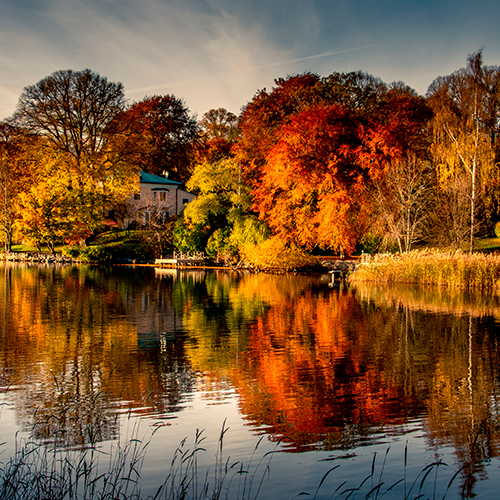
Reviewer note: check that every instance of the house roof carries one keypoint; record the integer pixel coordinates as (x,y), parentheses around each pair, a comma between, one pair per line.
(156,179)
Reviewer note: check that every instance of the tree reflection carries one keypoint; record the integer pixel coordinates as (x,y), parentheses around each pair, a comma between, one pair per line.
(317,367)
(76,342)
(462,402)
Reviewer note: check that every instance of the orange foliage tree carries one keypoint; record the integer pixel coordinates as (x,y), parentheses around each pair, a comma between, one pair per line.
(312,146)
(156,134)
(312,184)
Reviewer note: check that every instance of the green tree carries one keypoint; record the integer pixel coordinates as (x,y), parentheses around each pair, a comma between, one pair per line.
(220,214)
(219,188)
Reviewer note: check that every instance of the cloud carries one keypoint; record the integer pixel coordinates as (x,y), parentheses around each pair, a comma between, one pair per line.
(218,53)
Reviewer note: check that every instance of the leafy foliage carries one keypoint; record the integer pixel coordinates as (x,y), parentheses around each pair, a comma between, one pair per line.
(157,134)
(464,140)
(276,255)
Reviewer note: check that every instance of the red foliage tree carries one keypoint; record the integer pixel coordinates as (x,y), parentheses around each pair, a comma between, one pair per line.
(312,186)
(314,182)
(158,134)
(263,117)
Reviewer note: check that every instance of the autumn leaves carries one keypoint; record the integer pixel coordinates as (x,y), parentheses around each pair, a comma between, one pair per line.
(316,162)
(313,174)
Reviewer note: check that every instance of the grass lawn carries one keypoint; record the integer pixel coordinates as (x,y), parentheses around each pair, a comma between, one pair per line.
(487,244)
(30,249)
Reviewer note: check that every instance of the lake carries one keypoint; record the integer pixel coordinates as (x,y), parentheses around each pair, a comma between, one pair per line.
(394,378)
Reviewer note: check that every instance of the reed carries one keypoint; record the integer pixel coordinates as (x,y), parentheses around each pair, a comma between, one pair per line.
(38,471)
(41,472)
(452,269)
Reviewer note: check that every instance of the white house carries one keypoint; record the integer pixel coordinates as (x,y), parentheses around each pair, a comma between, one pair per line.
(158,197)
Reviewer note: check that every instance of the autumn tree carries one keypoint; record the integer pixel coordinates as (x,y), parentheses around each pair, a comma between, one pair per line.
(70,112)
(462,142)
(262,118)
(72,109)
(313,183)
(267,112)
(219,132)
(15,176)
(355,90)
(487,81)
(220,123)
(46,208)
(157,134)
(401,199)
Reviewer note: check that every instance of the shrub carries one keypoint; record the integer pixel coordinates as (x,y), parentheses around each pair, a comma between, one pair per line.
(274,254)
(72,251)
(219,246)
(97,254)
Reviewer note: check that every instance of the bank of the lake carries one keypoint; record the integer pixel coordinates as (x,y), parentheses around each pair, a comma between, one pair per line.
(432,266)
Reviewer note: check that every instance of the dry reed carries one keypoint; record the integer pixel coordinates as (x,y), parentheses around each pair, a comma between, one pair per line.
(452,269)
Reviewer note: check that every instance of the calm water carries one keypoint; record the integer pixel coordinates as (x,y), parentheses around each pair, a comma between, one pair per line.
(325,375)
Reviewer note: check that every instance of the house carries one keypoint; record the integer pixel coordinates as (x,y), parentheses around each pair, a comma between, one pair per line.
(158,198)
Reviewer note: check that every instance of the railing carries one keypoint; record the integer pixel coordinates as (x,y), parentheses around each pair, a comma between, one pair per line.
(189,256)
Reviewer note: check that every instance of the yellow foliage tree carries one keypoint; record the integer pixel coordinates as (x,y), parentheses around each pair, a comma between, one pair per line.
(462,145)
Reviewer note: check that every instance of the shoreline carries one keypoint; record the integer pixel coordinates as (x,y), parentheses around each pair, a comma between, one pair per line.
(332,263)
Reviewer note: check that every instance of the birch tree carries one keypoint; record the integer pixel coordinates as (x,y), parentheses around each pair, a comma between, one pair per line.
(402,198)
(462,143)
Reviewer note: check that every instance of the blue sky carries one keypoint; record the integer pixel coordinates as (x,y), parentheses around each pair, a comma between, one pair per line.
(218,53)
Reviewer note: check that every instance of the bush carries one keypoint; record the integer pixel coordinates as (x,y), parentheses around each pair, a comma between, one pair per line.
(73,251)
(96,254)
(276,255)
(219,246)
(497,229)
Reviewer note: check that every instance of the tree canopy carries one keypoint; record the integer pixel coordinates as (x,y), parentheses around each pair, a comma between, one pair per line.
(157,134)
(72,109)
(314,161)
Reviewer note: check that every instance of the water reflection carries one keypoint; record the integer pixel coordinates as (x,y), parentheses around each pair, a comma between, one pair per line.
(316,367)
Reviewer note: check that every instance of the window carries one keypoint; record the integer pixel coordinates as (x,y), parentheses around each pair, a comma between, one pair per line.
(137,195)
(160,195)
(185,201)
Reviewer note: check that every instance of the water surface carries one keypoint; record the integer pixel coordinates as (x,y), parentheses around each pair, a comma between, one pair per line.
(324,375)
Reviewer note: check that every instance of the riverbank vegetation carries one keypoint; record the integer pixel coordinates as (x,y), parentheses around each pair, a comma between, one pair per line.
(340,163)
(452,269)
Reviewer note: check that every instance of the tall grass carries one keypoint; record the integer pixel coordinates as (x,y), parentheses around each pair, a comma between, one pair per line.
(453,269)
(40,472)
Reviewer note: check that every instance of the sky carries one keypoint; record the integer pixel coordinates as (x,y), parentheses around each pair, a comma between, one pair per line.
(219,53)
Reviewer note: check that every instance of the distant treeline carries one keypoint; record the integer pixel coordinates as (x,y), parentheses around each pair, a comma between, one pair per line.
(336,163)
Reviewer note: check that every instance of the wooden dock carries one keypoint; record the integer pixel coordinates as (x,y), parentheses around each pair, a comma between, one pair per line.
(182,259)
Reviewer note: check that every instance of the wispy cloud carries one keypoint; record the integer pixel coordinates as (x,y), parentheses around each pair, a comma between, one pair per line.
(216,53)
(245,69)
